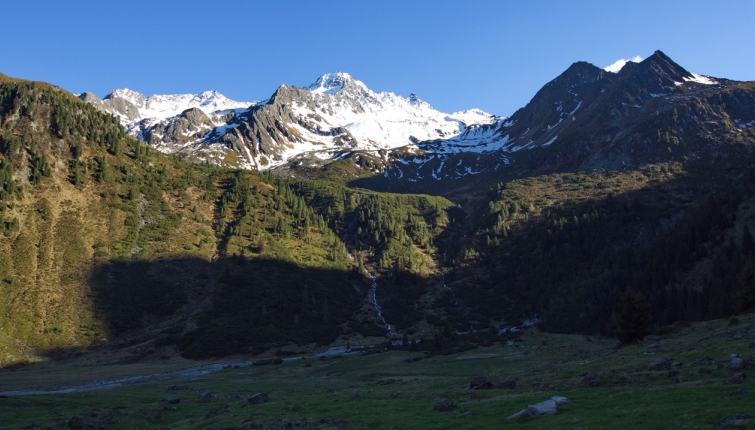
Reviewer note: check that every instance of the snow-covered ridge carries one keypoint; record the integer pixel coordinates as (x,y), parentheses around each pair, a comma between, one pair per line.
(161,106)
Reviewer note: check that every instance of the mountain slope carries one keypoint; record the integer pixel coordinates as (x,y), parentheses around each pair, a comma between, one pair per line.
(107,242)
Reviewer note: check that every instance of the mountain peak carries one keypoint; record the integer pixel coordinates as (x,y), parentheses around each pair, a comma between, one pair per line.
(132,96)
(657,73)
(331,83)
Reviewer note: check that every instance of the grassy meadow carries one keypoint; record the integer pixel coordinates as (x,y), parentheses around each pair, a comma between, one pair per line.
(608,387)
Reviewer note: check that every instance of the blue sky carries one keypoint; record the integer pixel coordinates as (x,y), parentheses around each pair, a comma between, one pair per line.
(492,55)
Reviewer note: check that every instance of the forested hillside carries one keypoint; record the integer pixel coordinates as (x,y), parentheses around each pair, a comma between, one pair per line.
(103,238)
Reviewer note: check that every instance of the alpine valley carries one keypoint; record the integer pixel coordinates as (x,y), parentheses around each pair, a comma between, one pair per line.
(141,228)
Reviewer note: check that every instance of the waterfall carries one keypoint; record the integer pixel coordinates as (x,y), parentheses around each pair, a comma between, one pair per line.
(378,309)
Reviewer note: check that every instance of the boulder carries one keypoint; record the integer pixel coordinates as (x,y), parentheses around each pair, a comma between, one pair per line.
(736,420)
(204,397)
(736,363)
(547,407)
(173,399)
(355,397)
(523,414)
(444,405)
(738,392)
(509,383)
(661,363)
(737,378)
(480,383)
(560,400)
(258,398)
(592,379)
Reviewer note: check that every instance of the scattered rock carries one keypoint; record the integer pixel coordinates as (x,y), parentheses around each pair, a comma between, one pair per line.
(522,415)
(736,363)
(661,363)
(651,338)
(738,392)
(480,383)
(204,397)
(509,383)
(444,405)
(547,407)
(740,333)
(735,420)
(592,379)
(258,398)
(212,413)
(703,361)
(173,399)
(738,378)
(75,422)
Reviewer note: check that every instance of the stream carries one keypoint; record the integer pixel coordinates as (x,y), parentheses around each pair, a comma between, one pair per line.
(181,374)
(372,297)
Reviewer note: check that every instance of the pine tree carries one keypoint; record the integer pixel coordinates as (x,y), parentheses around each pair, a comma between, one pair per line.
(633,317)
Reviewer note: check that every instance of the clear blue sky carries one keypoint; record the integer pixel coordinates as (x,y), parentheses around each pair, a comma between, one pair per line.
(493,55)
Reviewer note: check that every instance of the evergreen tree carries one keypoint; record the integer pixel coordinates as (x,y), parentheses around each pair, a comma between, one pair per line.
(633,317)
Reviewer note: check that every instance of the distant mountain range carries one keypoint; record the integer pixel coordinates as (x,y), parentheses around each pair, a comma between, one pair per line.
(332,118)
(585,117)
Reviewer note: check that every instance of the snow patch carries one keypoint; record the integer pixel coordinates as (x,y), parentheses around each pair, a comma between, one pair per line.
(550,141)
(700,79)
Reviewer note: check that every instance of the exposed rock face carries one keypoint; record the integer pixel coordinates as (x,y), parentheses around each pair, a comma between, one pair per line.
(190,125)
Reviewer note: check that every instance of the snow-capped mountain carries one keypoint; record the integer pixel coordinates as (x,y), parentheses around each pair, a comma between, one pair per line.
(587,117)
(326,121)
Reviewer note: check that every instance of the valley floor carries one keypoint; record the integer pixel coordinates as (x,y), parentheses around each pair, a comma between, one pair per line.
(607,387)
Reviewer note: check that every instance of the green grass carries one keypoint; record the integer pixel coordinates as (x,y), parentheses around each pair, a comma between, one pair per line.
(396,393)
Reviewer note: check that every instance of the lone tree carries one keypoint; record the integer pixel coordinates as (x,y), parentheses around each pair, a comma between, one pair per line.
(633,317)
